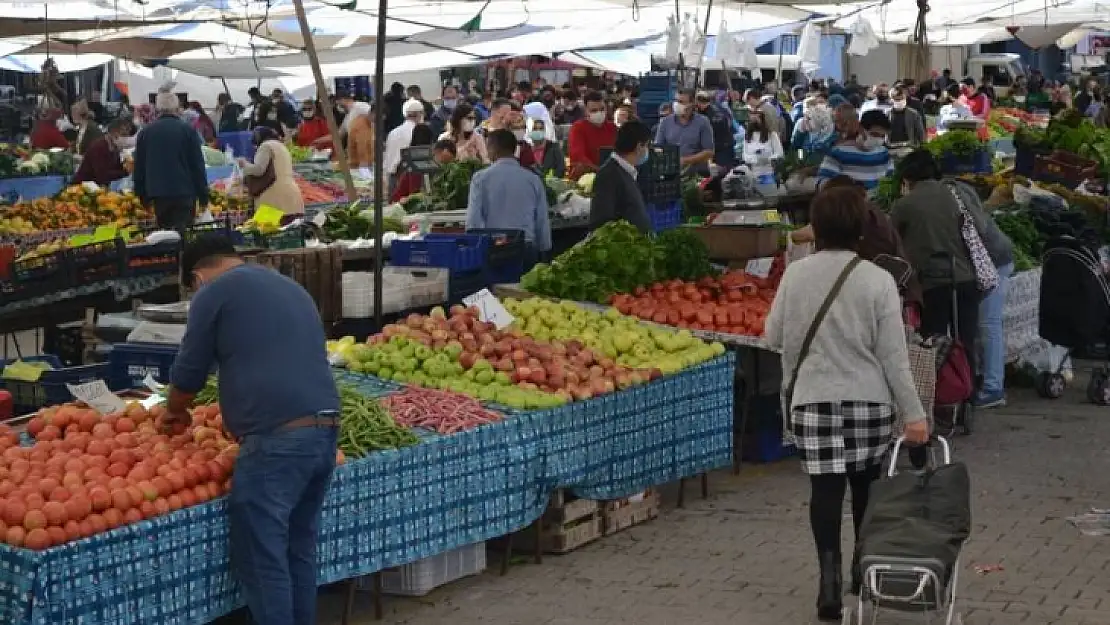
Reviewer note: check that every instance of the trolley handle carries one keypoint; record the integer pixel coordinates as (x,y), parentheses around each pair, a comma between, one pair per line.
(873,584)
(891,471)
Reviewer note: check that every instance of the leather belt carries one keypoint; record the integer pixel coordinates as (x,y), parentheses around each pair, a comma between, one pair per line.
(325,420)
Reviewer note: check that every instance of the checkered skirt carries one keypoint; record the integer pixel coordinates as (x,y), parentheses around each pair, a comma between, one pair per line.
(843,437)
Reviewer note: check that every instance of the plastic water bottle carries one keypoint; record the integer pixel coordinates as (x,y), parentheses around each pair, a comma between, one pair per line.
(229,154)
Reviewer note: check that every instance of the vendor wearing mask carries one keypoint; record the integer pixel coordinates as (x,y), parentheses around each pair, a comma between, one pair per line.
(87,130)
(906,124)
(102,163)
(862,154)
(588,136)
(506,196)
(616,194)
(313,129)
(546,152)
(442,115)
(881,101)
(691,132)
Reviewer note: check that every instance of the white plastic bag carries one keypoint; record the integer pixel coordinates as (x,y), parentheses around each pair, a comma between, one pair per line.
(205,218)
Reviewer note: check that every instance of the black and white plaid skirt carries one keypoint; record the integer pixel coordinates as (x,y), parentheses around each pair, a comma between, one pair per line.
(844,437)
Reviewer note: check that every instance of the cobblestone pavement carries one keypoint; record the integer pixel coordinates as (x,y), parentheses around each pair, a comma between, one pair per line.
(744,555)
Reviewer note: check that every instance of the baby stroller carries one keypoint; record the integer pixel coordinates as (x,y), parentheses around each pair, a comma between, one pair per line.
(1074,311)
(909,545)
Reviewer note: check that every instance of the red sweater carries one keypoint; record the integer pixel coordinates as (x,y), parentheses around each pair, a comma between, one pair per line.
(100,165)
(585,143)
(46,135)
(311,130)
(407,184)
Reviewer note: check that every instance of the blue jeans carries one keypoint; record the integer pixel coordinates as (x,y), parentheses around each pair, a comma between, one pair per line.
(276,495)
(991,338)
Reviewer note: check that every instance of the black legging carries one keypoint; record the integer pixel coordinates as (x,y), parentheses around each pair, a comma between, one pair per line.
(826,504)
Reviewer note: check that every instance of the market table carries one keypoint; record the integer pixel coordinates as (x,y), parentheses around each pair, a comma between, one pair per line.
(392,507)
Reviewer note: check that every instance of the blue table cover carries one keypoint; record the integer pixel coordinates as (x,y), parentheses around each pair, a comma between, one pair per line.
(31,188)
(392,507)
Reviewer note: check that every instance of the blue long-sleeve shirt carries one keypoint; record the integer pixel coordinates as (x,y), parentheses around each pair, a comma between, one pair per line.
(505,196)
(264,333)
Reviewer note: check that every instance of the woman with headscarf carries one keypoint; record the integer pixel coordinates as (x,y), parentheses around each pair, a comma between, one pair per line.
(547,152)
(45,134)
(360,136)
(87,130)
(469,145)
(815,133)
(283,194)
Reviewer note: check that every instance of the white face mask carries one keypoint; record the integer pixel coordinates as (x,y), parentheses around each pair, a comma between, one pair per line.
(899,105)
(597,118)
(680,108)
(468,125)
(873,142)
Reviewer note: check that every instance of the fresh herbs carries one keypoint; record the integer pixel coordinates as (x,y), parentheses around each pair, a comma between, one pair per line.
(684,254)
(959,143)
(451,186)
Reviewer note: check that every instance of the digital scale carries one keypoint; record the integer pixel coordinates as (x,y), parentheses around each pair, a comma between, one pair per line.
(419,160)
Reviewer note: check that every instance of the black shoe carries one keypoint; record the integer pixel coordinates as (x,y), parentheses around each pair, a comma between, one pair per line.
(857,576)
(829,601)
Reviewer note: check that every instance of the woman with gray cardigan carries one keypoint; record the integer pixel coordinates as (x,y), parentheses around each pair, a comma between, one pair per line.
(837,320)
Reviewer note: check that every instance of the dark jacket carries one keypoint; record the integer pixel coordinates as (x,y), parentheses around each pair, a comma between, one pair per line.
(928,220)
(724,152)
(169,162)
(907,125)
(92,133)
(553,160)
(229,118)
(617,196)
(101,165)
(438,120)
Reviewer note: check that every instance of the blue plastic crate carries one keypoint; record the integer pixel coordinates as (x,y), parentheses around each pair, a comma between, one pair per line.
(50,388)
(665,216)
(767,446)
(978,163)
(131,362)
(465,284)
(457,252)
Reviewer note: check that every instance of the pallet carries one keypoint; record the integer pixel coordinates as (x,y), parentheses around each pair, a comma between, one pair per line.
(624,513)
(567,524)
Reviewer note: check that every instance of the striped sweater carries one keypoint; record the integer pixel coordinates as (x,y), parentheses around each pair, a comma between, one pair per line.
(866,167)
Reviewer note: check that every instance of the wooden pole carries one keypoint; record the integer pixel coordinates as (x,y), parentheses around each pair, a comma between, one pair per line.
(322,92)
(379,157)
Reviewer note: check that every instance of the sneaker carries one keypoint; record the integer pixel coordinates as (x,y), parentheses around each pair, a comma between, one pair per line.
(991,400)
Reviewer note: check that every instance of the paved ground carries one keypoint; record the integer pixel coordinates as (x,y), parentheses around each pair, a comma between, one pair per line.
(744,556)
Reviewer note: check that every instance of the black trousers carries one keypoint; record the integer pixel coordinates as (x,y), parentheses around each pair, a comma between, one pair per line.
(826,504)
(174,213)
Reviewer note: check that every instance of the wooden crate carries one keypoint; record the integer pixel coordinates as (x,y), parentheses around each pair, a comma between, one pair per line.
(567,524)
(624,513)
(318,270)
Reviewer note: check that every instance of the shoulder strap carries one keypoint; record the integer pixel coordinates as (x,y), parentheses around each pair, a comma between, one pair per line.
(818,318)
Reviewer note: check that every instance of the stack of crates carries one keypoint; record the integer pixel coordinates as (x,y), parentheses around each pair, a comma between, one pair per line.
(660,182)
(464,254)
(655,89)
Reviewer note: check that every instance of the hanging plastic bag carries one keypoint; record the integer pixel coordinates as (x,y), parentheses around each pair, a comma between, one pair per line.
(724,51)
(674,37)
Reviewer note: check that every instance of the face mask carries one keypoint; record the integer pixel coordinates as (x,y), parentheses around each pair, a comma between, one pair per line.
(538,135)
(468,125)
(899,105)
(643,158)
(873,142)
(680,109)
(597,118)
(449,104)
(519,134)
(308,114)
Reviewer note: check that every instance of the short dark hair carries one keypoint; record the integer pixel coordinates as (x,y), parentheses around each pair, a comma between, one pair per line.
(593,96)
(503,141)
(422,135)
(837,215)
(119,125)
(445,144)
(875,118)
(499,102)
(897,92)
(919,165)
(631,135)
(204,251)
(686,91)
(754,92)
(265,133)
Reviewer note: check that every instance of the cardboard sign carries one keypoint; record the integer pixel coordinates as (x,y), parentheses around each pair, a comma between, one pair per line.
(490,309)
(759,267)
(97,396)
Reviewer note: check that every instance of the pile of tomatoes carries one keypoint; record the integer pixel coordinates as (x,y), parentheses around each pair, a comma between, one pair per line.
(87,473)
(733,303)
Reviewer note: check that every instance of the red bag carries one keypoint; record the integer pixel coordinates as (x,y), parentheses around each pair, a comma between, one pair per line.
(954,381)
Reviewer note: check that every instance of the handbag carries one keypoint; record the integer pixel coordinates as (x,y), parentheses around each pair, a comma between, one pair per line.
(257,185)
(986,274)
(788,392)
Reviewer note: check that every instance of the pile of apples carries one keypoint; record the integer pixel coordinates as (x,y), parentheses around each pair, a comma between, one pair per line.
(88,473)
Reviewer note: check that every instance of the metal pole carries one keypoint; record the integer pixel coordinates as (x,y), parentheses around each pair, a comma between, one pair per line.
(322,91)
(379,156)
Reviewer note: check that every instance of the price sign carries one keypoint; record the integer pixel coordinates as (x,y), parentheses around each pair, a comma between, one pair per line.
(490,309)
(759,267)
(97,396)
(771,216)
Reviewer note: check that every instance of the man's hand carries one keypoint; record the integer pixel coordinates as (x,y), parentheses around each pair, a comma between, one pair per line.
(917,432)
(174,422)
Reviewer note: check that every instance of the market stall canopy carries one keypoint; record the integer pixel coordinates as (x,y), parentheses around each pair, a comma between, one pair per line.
(156,42)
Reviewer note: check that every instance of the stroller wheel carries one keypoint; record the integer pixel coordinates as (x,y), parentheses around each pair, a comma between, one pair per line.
(1102,392)
(1051,385)
(967,418)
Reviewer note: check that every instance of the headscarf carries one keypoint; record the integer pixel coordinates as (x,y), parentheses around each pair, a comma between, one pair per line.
(819,121)
(537,110)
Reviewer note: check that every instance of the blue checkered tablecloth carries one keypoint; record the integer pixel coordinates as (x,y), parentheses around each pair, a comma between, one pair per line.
(392,507)
(30,188)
